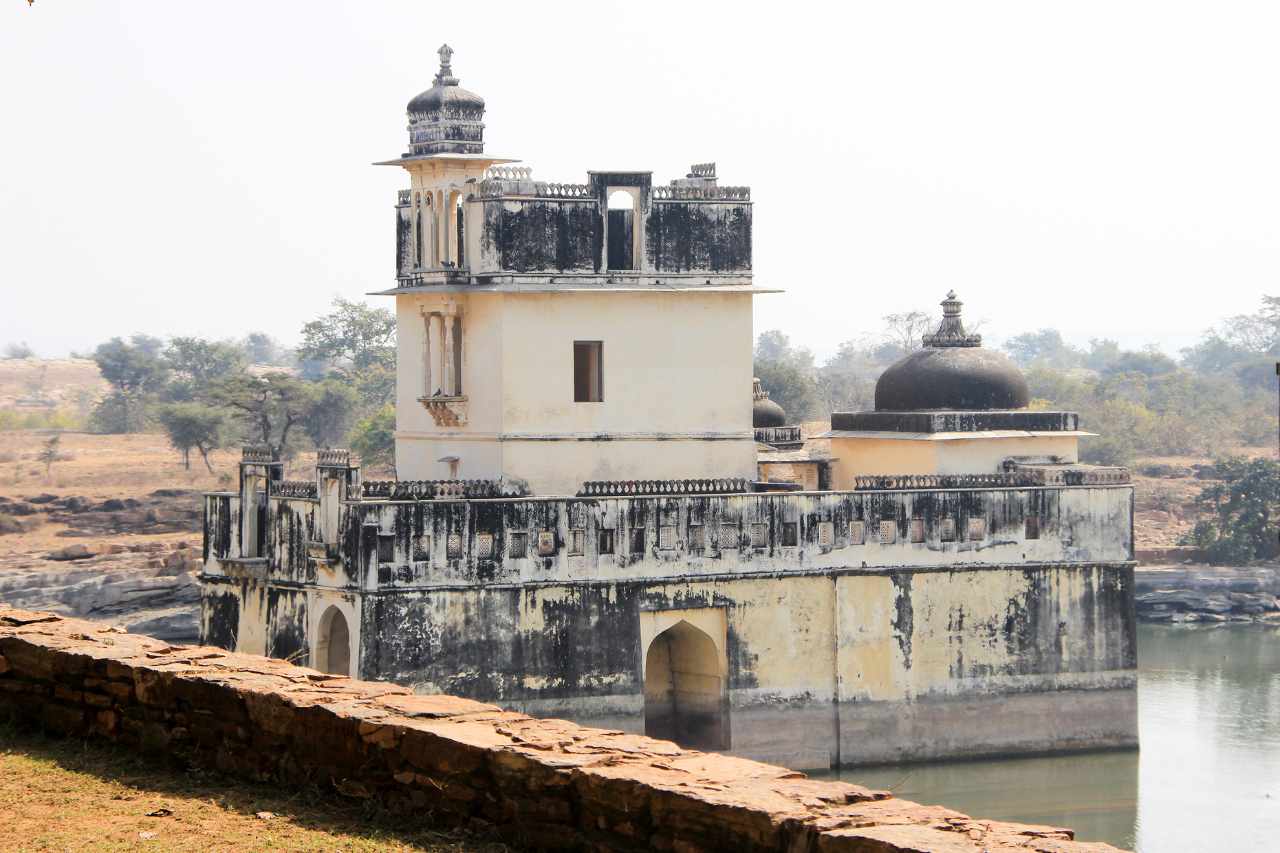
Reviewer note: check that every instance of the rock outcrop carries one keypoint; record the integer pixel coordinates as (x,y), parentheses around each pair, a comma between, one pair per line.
(147,587)
(545,784)
(1207,593)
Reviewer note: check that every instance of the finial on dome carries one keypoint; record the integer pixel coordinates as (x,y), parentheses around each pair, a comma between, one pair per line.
(444,77)
(951,332)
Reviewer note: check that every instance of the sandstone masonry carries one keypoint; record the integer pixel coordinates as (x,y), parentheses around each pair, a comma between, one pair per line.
(546,784)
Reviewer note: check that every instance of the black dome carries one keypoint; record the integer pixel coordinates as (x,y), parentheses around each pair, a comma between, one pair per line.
(953,371)
(764,412)
(441,96)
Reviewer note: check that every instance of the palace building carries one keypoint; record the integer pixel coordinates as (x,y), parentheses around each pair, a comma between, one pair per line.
(586,521)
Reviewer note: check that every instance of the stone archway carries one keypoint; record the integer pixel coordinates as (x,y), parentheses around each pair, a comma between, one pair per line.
(333,647)
(685,696)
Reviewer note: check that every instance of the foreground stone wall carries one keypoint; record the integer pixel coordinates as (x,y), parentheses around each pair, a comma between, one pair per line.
(543,783)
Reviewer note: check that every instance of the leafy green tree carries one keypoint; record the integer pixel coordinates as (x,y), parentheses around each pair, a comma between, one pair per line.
(374,437)
(1243,506)
(788,374)
(196,364)
(193,425)
(353,336)
(330,413)
(50,453)
(261,348)
(846,382)
(136,372)
(268,407)
(1045,347)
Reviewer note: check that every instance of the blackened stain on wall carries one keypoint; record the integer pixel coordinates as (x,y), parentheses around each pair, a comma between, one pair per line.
(541,235)
(287,625)
(690,236)
(221,622)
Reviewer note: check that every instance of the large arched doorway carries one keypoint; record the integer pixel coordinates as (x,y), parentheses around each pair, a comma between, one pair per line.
(685,699)
(333,646)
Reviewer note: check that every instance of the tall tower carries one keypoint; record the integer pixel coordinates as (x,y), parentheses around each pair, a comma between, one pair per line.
(561,333)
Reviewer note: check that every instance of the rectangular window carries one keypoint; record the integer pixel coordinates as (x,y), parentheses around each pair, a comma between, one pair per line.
(577,542)
(1033,527)
(637,540)
(386,548)
(790,534)
(667,537)
(977,529)
(453,546)
(948,532)
(519,545)
(588,372)
(546,543)
(759,535)
(727,538)
(422,549)
(697,537)
(857,532)
(888,532)
(917,530)
(826,534)
(605,543)
(484,546)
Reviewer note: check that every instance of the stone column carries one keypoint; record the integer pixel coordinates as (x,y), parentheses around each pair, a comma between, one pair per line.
(435,341)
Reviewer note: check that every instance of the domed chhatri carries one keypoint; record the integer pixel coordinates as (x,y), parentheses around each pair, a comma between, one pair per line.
(953,372)
(765,413)
(446,119)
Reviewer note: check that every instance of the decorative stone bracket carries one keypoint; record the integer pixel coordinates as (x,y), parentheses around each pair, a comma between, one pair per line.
(446,411)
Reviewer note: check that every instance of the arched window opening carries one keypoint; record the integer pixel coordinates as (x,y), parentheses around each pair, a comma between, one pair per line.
(461,255)
(685,697)
(621,230)
(419,224)
(333,646)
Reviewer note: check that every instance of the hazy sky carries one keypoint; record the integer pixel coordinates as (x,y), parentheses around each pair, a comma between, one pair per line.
(1107,168)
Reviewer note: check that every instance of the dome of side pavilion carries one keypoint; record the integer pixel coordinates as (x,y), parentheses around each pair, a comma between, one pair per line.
(952,372)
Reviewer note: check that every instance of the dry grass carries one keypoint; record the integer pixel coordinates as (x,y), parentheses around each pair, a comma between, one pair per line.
(71,795)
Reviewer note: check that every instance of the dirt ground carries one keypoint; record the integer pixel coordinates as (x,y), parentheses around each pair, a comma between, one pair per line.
(73,795)
(28,383)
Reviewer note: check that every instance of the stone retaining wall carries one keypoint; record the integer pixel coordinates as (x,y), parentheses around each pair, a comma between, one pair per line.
(544,784)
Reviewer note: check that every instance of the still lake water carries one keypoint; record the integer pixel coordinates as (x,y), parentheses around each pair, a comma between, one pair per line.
(1207,777)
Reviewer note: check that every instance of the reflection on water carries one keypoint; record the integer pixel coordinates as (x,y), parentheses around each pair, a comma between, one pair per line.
(1208,775)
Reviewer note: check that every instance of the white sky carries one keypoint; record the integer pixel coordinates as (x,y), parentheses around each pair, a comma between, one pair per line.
(1108,168)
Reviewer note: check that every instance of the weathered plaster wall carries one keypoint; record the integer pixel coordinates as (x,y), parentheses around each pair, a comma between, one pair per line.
(673,362)
(685,236)
(934,454)
(840,645)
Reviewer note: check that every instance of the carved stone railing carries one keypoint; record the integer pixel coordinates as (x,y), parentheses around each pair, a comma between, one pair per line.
(943,481)
(509,173)
(426,490)
(1018,478)
(255,453)
(1049,475)
(779,435)
(626,488)
(501,188)
(293,489)
(333,458)
(404,198)
(702,193)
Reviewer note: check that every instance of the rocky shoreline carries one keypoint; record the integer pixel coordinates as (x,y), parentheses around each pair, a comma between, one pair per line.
(1202,593)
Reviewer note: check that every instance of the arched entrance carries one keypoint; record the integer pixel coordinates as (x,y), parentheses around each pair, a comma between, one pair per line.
(333,646)
(685,697)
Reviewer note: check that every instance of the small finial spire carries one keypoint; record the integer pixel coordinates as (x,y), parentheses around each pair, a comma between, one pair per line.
(444,77)
(951,332)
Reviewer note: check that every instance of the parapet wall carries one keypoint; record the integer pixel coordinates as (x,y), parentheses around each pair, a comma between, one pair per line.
(545,784)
